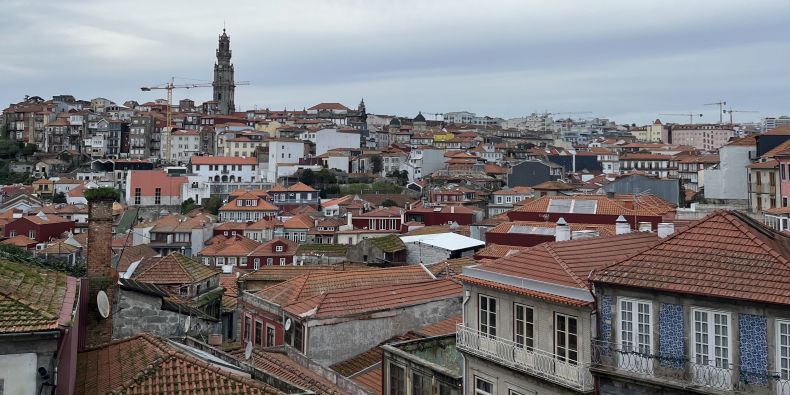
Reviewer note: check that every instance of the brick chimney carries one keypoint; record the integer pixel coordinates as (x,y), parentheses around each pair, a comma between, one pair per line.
(101,275)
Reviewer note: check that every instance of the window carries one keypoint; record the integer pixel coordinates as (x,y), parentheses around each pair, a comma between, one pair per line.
(636,333)
(298,336)
(247,328)
(278,248)
(396,378)
(269,261)
(137,194)
(783,350)
(269,336)
(421,385)
(566,344)
(12,233)
(487,318)
(282,261)
(158,196)
(711,346)
(483,387)
(257,263)
(258,333)
(31,234)
(524,322)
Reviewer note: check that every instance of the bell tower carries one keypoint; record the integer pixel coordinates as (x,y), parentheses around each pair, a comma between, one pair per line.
(224,86)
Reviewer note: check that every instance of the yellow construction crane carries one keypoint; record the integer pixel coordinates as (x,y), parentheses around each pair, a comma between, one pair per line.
(169,86)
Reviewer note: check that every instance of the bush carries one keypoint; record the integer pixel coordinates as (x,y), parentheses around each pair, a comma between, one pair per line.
(102,193)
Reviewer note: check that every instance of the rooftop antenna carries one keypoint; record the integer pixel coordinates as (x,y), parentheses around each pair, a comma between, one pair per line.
(103,303)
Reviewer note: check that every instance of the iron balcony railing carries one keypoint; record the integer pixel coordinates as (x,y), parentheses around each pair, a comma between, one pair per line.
(693,374)
(542,364)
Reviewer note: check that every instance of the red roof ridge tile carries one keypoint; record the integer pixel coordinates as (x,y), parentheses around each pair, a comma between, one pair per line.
(564,265)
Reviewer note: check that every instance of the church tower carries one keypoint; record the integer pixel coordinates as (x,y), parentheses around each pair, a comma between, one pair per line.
(224,86)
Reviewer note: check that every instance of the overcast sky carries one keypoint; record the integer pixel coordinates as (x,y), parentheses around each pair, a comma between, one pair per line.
(626,60)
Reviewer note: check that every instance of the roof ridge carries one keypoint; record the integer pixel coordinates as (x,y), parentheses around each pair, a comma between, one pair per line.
(749,231)
(563,265)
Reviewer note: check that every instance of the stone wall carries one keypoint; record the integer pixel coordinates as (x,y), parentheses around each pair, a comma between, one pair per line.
(138,312)
(418,252)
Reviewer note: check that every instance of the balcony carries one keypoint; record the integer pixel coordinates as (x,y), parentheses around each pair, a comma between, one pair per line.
(537,363)
(683,373)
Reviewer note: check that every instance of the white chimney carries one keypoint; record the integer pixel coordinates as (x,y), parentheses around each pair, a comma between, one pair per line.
(645,227)
(348,217)
(665,229)
(452,209)
(562,232)
(621,226)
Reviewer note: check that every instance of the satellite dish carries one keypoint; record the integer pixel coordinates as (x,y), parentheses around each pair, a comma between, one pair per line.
(187,323)
(287,324)
(248,350)
(103,304)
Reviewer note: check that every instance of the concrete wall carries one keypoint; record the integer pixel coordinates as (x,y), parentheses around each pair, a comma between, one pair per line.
(333,340)
(143,313)
(729,181)
(418,252)
(20,357)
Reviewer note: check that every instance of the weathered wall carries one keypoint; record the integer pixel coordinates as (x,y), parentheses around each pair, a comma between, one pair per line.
(331,341)
(417,252)
(143,313)
(20,358)
(505,379)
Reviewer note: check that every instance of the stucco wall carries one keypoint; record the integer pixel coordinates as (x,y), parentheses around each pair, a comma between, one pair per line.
(331,341)
(21,357)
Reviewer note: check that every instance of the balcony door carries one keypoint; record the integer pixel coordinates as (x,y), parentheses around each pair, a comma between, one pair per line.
(566,347)
(487,322)
(712,349)
(636,336)
(783,357)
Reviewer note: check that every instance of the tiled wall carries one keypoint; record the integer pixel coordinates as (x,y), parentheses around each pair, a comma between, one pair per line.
(605,304)
(753,349)
(671,333)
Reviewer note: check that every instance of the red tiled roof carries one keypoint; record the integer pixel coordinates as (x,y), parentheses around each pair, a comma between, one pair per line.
(769,164)
(20,241)
(300,187)
(604,206)
(34,299)
(328,106)
(232,246)
(172,269)
(144,364)
(315,283)
(261,204)
(553,186)
(278,364)
(365,300)
(522,291)
(569,263)
(726,255)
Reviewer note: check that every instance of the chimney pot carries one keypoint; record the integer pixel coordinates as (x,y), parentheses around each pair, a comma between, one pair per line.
(665,229)
(562,231)
(622,226)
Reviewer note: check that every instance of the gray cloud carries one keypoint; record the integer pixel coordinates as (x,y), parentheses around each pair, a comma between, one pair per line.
(624,60)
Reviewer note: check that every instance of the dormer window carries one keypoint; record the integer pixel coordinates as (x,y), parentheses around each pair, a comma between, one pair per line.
(278,248)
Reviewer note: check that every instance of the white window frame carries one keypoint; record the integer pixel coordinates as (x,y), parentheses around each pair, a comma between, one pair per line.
(566,357)
(635,333)
(528,342)
(718,374)
(488,313)
(783,346)
(478,391)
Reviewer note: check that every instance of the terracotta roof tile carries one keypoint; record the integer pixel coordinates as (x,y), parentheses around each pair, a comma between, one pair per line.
(172,269)
(726,254)
(144,364)
(277,363)
(34,299)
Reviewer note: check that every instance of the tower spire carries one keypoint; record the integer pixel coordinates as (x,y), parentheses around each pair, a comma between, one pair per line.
(224,85)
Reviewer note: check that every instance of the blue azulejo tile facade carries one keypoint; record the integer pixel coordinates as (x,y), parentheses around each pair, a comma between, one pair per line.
(753,336)
(605,306)
(671,341)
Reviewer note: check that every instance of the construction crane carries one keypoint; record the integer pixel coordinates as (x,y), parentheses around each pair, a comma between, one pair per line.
(169,86)
(566,113)
(721,104)
(730,111)
(691,115)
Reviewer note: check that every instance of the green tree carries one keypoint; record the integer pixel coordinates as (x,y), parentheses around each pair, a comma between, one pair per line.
(59,197)
(307,177)
(326,177)
(29,149)
(377,164)
(188,205)
(213,205)
(389,203)
(8,149)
